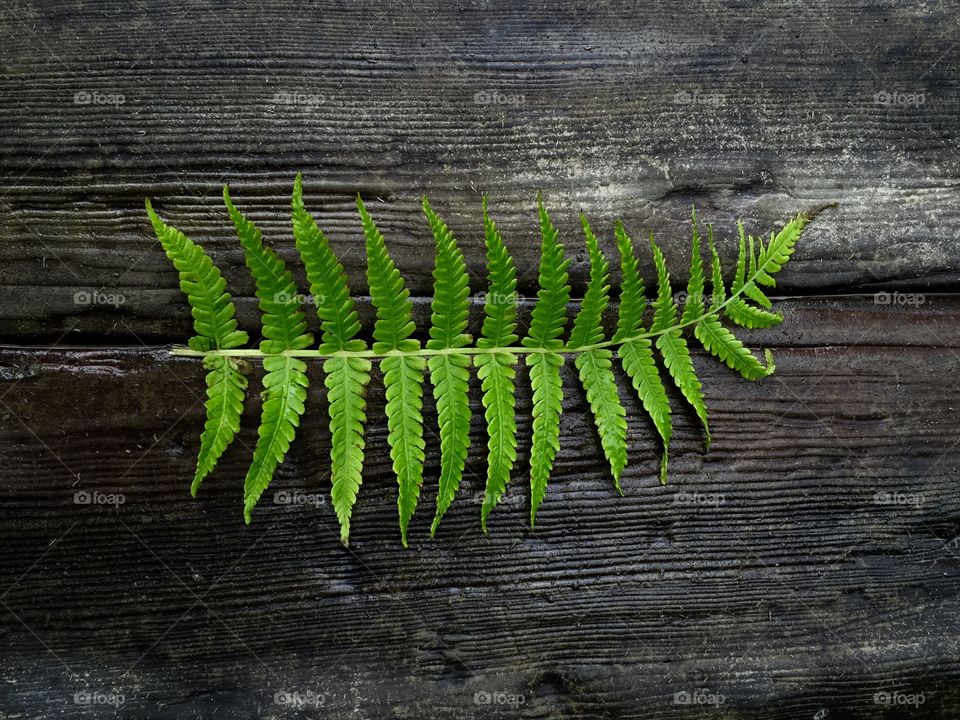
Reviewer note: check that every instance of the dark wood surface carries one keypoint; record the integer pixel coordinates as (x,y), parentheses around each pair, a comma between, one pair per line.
(804,566)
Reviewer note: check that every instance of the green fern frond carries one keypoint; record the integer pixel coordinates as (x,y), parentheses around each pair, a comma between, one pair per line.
(403,374)
(345,378)
(347,360)
(496,369)
(449,372)
(548,319)
(285,380)
(215,323)
(636,355)
(595,365)
(673,348)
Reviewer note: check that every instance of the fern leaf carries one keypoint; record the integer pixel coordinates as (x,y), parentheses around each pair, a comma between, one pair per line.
(772,258)
(449,372)
(226,390)
(215,323)
(673,348)
(636,356)
(403,374)
(496,369)
(328,281)
(750,289)
(285,380)
(719,292)
(723,344)
(548,320)
(346,379)
(694,305)
(594,365)
(741,271)
(748,316)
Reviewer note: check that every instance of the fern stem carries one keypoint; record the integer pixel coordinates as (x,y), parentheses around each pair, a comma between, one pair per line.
(427,352)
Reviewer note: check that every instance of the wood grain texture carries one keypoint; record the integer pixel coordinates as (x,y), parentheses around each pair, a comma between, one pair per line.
(805,563)
(622,109)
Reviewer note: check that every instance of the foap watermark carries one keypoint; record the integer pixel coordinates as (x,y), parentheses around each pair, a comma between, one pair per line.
(99,697)
(686,497)
(299,98)
(899,298)
(298,497)
(95,97)
(897,497)
(699,97)
(299,699)
(495,97)
(500,698)
(285,298)
(897,98)
(682,297)
(97,297)
(496,298)
(698,697)
(895,698)
(85,497)
(515,500)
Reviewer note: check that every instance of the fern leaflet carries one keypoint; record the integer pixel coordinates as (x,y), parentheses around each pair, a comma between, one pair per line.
(496,368)
(595,365)
(635,351)
(449,372)
(673,348)
(402,373)
(346,378)
(216,327)
(285,380)
(547,322)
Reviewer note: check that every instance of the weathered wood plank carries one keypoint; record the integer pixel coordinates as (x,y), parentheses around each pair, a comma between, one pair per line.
(595,104)
(769,570)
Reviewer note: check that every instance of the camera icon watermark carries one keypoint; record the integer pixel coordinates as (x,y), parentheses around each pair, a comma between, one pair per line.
(499,299)
(298,699)
(698,97)
(95,297)
(285,298)
(499,698)
(85,497)
(95,97)
(896,497)
(899,99)
(894,698)
(682,297)
(899,298)
(298,498)
(98,697)
(686,497)
(495,97)
(698,697)
(311,101)
(506,499)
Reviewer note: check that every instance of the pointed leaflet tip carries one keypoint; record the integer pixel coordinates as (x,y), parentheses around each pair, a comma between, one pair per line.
(297,200)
